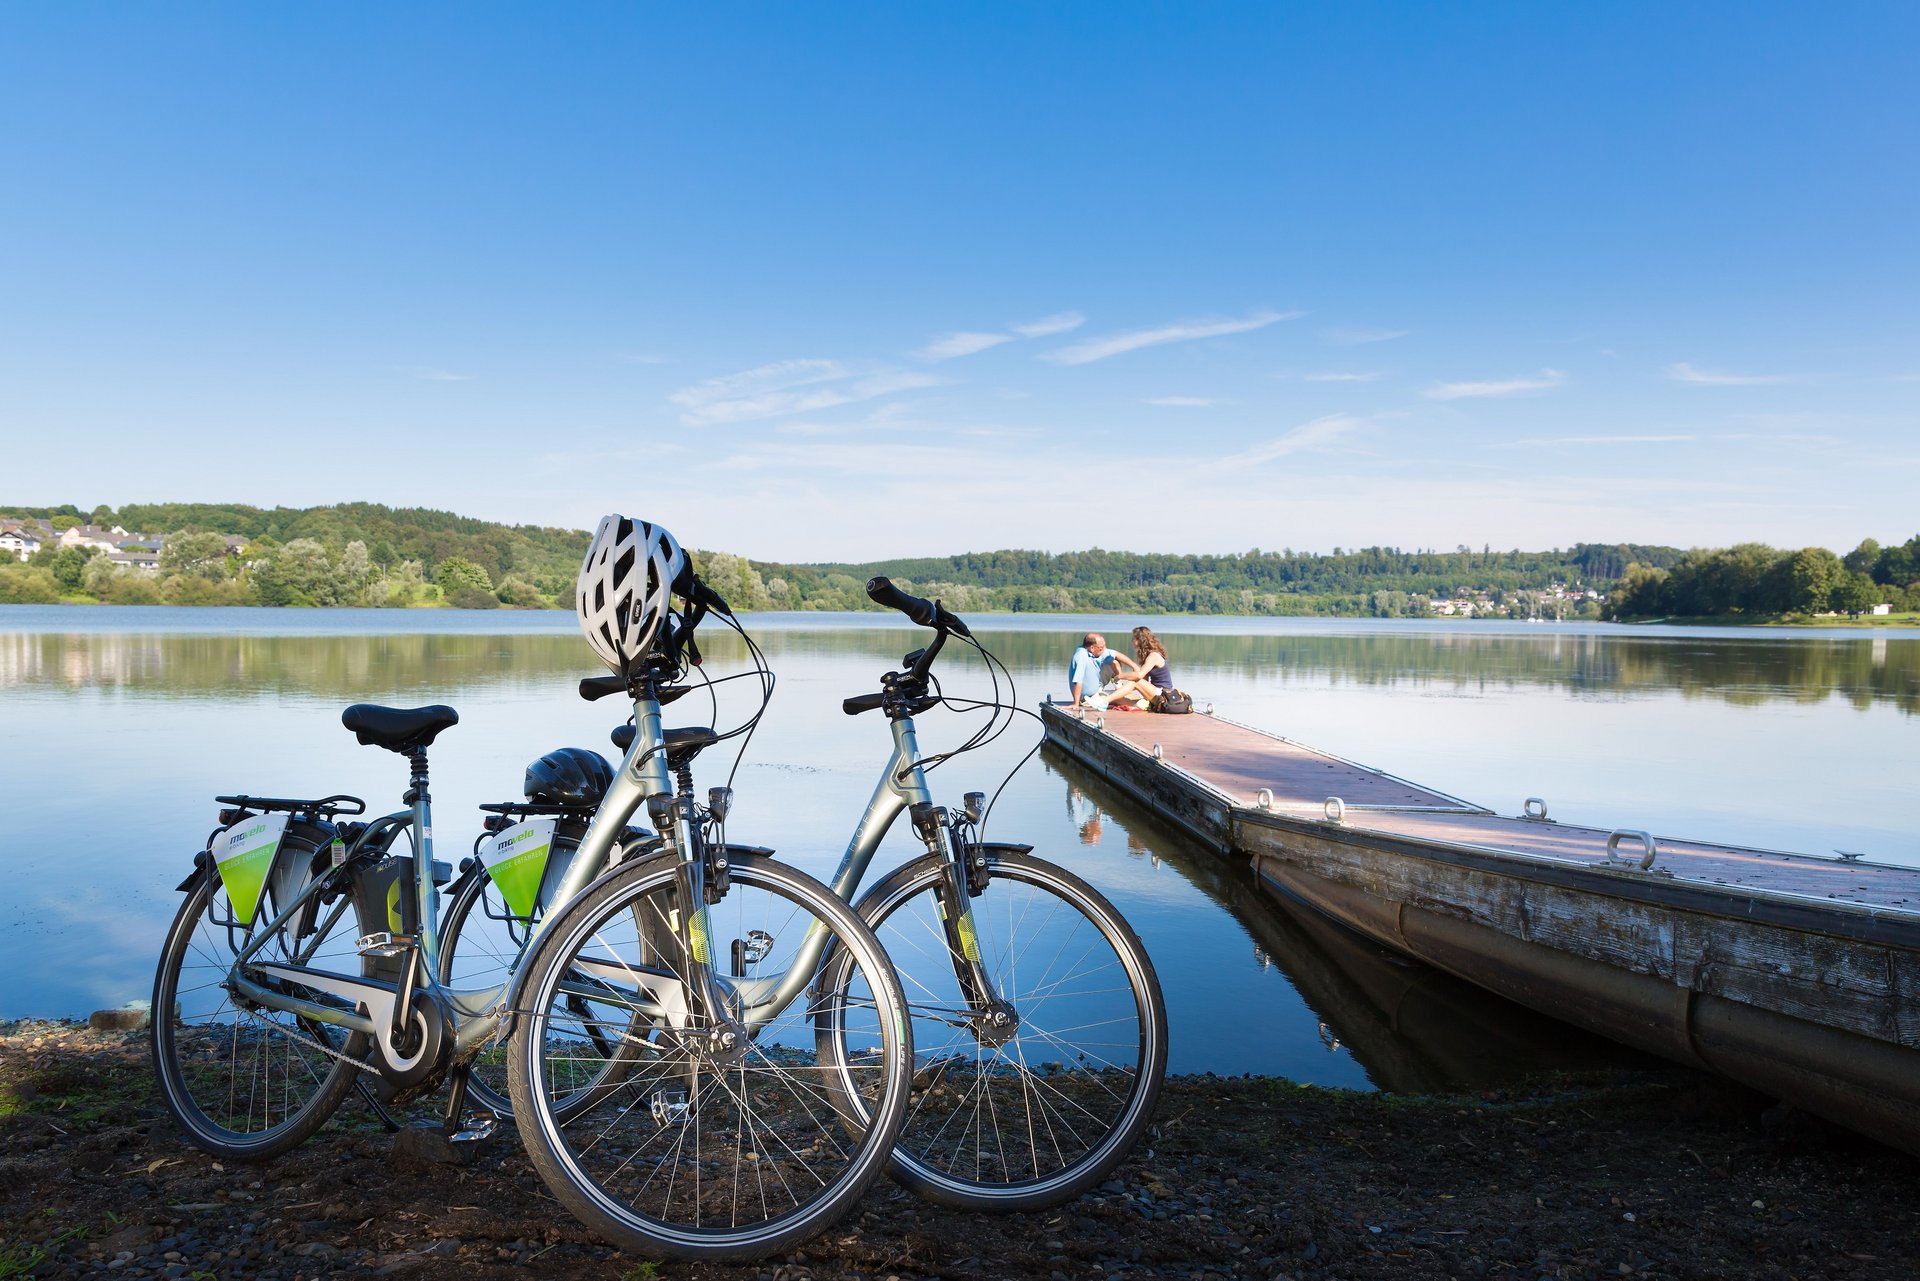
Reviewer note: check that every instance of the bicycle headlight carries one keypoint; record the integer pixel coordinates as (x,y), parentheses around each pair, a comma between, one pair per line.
(719,801)
(975,804)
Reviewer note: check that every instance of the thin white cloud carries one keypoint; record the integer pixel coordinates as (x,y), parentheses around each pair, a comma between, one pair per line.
(642,358)
(1184,331)
(1058,323)
(425,374)
(1546,381)
(1353,337)
(1341,376)
(778,376)
(1184,402)
(961,344)
(1605,440)
(968,341)
(1307,436)
(1686,373)
(788,387)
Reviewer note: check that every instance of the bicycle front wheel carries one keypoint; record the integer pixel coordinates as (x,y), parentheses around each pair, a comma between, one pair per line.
(691,1150)
(1032,1116)
(249,1083)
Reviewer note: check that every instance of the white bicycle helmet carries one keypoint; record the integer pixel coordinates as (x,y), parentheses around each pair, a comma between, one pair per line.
(625,581)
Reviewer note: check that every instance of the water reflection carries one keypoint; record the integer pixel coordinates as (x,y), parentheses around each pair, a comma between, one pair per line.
(1741,671)
(118,738)
(1412,1028)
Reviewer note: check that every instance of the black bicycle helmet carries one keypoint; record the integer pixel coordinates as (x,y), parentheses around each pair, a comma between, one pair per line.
(569,776)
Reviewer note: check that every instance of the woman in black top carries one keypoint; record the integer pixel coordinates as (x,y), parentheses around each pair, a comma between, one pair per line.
(1149,675)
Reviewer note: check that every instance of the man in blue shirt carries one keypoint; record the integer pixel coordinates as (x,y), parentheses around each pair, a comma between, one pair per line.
(1083,669)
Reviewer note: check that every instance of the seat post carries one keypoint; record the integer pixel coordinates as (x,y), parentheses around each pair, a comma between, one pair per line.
(416,775)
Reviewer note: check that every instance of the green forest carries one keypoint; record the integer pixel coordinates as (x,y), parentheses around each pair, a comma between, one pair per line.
(1754,580)
(367,554)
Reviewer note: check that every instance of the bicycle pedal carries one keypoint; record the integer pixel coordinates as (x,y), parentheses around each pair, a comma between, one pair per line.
(383,945)
(474,1127)
(670,1107)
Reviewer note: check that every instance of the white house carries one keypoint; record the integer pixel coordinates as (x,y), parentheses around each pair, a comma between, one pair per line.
(18,541)
(1881,609)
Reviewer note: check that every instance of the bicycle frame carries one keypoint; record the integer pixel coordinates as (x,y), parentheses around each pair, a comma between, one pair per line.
(478,1013)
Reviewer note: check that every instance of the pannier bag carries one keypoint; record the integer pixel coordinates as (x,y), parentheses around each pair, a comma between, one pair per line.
(1172,703)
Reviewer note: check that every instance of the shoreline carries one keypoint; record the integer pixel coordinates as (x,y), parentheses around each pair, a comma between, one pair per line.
(1170,622)
(1664,1173)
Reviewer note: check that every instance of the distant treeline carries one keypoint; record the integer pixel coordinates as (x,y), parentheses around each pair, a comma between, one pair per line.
(370,554)
(1376,581)
(1754,580)
(351,554)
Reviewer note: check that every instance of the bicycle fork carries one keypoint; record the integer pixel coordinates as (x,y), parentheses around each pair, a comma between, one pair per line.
(678,820)
(993,1020)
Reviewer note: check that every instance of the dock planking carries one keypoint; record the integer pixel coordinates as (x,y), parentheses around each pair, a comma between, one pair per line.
(1797,975)
(1239,761)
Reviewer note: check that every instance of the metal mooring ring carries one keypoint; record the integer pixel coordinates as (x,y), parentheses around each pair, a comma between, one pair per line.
(1646,842)
(1158,754)
(1534,808)
(1336,810)
(1264,798)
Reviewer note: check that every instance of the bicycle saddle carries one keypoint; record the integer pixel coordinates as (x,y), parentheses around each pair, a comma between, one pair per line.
(395,728)
(682,744)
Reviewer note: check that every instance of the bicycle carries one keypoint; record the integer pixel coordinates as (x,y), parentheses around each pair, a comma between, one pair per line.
(986,1128)
(662,1102)
(1038,1020)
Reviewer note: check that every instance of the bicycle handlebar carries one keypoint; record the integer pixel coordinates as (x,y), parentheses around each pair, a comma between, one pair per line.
(593,688)
(927,613)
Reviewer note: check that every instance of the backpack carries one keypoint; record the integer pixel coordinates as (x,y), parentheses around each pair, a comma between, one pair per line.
(1171,703)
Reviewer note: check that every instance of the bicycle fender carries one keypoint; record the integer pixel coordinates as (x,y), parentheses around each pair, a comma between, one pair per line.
(1003,847)
(202,865)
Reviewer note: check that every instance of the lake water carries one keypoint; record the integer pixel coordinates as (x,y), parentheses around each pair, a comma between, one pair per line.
(121,724)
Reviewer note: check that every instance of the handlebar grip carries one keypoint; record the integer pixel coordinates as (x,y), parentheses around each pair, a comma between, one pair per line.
(881,591)
(927,613)
(597,687)
(861,703)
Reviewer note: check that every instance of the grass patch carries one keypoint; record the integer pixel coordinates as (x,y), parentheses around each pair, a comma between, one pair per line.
(17,1260)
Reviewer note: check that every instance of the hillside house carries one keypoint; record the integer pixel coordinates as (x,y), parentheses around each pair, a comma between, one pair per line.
(105,540)
(19,541)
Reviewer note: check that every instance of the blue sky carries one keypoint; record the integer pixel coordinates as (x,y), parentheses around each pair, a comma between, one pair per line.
(813,282)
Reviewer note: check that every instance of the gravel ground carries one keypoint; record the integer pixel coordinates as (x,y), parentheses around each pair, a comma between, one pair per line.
(1663,1174)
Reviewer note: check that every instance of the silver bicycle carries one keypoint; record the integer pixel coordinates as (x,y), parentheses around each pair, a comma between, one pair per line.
(681,1107)
(1038,1024)
(1037,1018)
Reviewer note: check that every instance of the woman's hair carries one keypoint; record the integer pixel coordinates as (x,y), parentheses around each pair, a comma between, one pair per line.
(1144,643)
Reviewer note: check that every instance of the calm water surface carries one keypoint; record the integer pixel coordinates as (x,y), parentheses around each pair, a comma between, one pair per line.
(122,723)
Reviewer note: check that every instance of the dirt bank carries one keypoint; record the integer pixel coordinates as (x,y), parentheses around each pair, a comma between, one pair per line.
(1662,1174)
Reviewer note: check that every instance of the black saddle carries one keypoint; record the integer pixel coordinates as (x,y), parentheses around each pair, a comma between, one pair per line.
(682,744)
(398,729)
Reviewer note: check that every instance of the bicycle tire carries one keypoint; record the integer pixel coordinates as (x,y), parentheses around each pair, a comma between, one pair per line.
(650,1165)
(1100,1023)
(476,957)
(244,1085)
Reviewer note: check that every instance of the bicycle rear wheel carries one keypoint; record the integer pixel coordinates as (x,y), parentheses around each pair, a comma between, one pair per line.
(248,1084)
(691,1151)
(1031,1118)
(481,940)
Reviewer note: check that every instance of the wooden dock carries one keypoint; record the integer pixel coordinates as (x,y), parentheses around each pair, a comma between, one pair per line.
(1797,975)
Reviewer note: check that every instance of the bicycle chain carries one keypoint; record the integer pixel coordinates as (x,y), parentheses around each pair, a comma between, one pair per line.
(312,1042)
